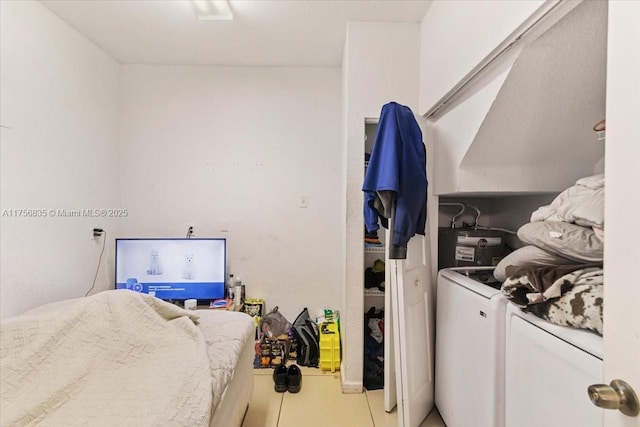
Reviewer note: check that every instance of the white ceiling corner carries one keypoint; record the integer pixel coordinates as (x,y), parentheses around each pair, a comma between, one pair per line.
(262,32)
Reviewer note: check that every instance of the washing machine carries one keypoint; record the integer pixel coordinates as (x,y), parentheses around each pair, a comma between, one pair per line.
(548,370)
(470,345)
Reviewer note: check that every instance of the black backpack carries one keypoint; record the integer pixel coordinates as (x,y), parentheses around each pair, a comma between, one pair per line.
(308,338)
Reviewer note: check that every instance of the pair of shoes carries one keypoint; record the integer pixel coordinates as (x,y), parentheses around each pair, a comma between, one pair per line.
(287,379)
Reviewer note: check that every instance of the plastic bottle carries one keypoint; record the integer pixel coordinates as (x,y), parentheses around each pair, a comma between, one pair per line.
(237,292)
(231,284)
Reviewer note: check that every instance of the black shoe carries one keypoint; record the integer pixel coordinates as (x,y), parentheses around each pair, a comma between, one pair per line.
(280,378)
(294,379)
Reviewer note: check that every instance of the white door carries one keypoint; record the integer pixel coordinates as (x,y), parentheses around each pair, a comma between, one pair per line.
(412,309)
(390,394)
(622,204)
(412,293)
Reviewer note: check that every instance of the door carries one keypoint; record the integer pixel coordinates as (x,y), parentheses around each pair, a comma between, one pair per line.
(412,294)
(411,307)
(622,198)
(390,394)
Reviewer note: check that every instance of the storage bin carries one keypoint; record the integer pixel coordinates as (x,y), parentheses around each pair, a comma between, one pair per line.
(329,347)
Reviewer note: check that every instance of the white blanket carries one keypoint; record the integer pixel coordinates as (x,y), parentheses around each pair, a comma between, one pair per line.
(117,358)
(582,204)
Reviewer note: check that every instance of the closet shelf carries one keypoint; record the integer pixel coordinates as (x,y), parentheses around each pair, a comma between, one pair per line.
(374,249)
(373,292)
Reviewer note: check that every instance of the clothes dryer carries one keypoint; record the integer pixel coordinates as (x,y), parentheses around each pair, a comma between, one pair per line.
(548,370)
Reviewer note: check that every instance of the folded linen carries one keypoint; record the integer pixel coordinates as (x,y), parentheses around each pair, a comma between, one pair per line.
(564,239)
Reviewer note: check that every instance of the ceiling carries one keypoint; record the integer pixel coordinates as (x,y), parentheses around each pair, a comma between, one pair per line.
(262,32)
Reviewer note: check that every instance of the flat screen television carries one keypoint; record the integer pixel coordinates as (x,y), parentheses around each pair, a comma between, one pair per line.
(172,269)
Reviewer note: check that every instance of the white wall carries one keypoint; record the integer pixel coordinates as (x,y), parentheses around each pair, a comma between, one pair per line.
(539,129)
(59,97)
(504,116)
(455,131)
(237,148)
(381,64)
(457,35)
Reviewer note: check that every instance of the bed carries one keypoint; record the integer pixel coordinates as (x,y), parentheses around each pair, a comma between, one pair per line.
(126,359)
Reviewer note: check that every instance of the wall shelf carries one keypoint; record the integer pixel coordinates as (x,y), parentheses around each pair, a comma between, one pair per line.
(373,292)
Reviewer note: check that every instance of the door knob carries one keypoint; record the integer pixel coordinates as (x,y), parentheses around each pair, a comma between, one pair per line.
(619,395)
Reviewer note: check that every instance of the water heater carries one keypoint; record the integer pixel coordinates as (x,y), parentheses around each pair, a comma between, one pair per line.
(462,247)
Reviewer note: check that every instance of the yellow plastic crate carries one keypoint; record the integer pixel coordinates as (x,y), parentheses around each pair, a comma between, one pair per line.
(329,347)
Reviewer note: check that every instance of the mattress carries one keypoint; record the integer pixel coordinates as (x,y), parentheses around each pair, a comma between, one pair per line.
(235,398)
(229,337)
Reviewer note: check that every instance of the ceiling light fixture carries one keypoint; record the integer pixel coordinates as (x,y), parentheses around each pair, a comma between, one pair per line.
(213,10)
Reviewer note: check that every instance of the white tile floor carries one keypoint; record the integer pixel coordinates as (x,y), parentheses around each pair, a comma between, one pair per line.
(320,403)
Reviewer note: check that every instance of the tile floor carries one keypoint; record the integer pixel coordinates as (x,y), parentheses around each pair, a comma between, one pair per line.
(320,403)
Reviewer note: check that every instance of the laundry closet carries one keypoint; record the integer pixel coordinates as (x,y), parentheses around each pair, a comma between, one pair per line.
(513,134)
(510,93)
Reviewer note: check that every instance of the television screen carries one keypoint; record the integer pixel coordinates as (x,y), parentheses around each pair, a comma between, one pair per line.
(172,269)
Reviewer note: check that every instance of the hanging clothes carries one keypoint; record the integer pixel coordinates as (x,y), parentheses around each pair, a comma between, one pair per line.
(396,179)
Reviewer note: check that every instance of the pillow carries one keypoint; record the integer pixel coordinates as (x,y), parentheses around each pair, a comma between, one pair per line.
(561,238)
(528,256)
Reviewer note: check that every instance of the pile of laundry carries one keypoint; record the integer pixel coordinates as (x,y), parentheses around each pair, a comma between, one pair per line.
(374,349)
(558,274)
(374,276)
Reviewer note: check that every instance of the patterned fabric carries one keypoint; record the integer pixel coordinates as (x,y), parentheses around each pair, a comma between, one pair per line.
(563,295)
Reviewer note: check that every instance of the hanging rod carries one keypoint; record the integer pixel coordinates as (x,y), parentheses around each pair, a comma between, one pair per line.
(502,48)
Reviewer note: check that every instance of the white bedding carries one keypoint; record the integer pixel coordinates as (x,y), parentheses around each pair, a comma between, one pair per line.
(582,204)
(117,358)
(226,333)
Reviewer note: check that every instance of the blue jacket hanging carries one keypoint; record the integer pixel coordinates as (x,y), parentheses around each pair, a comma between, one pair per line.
(397,176)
